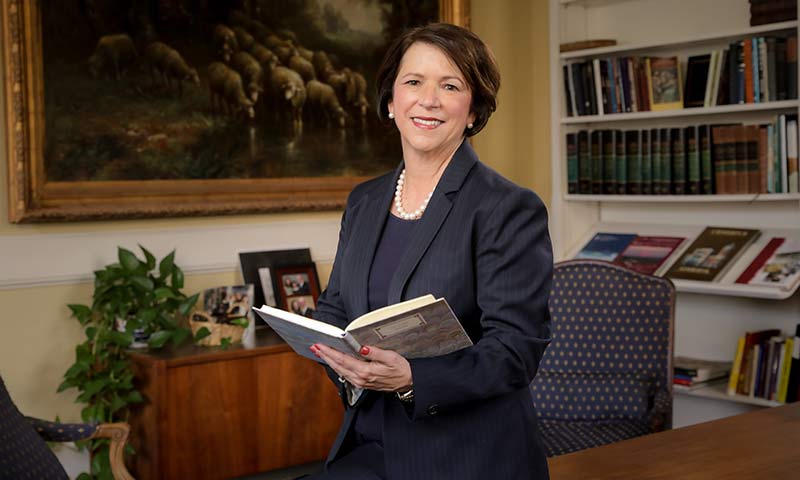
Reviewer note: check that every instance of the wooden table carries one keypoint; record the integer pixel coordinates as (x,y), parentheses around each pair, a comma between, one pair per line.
(214,413)
(764,444)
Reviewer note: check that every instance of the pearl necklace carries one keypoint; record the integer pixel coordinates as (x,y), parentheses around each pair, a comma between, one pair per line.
(398,200)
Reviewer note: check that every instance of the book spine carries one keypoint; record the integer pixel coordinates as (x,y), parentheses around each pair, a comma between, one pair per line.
(602,105)
(633,160)
(609,162)
(584,163)
(736,367)
(621,158)
(612,85)
(756,74)
(771,70)
(706,170)
(747,52)
(666,161)
(763,159)
(740,159)
(759,261)
(596,137)
(791,67)
(577,88)
(646,149)
(572,163)
(786,363)
(569,96)
(792,157)
(678,162)
(780,68)
(763,71)
(694,185)
(752,162)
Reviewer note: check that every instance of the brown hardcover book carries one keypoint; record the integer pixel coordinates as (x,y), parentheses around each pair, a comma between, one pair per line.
(752,135)
(763,158)
(723,159)
(712,253)
(740,159)
(749,92)
(586,44)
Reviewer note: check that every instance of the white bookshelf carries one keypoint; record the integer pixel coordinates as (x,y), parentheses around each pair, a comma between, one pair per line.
(718,391)
(710,317)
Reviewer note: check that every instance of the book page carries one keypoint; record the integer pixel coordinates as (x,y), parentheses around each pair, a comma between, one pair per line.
(390,310)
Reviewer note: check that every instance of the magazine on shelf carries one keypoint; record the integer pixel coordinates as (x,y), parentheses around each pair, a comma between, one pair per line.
(777,265)
(605,246)
(712,253)
(647,254)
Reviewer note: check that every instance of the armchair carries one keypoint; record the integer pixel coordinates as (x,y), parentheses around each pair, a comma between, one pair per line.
(607,375)
(24,453)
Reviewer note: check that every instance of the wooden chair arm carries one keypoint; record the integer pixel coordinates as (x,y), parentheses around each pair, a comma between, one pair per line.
(118,434)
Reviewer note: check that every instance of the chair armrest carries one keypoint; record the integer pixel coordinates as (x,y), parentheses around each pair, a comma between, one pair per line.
(61,432)
(118,434)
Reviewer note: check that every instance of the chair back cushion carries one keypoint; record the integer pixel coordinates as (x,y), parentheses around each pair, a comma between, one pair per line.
(23,454)
(611,354)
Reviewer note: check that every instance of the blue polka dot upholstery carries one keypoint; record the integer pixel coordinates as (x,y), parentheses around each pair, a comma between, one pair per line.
(23,454)
(607,375)
(61,432)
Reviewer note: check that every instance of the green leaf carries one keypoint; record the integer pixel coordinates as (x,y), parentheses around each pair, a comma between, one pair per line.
(241,321)
(143,283)
(186,306)
(128,260)
(149,257)
(135,397)
(84,476)
(177,277)
(158,339)
(91,332)
(123,339)
(76,369)
(225,342)
(66,384)
(180,335)
(81,312)
(165,267)
(164,292)
(147,315)
(202,333)
(116,404)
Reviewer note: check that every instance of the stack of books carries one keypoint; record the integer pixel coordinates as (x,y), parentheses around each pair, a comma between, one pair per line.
(692,373)
(763,12)
(767,366)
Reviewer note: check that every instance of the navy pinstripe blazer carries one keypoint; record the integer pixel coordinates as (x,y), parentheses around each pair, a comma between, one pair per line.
(482,244)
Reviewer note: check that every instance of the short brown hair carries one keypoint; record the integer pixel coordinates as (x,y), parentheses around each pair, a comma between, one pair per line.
(467,52)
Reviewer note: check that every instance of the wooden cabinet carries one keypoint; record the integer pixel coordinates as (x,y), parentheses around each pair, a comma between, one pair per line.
(213,413)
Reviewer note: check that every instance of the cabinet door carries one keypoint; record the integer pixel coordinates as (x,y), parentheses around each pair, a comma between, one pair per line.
(298,411)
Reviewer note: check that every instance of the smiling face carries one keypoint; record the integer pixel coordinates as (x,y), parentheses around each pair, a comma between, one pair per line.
(431,103)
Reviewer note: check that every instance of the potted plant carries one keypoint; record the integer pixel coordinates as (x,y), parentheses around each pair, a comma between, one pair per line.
(134,295)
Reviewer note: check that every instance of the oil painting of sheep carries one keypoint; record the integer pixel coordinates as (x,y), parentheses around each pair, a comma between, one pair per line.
(201,106)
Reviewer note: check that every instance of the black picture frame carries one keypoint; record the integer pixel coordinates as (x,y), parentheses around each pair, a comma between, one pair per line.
(298,288)
(251,261)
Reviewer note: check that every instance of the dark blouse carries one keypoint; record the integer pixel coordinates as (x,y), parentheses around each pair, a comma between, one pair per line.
(393,243)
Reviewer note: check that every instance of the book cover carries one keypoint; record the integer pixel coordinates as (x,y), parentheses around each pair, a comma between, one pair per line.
(751,339)
(605,246)
(700,370)
(417,328)
(777,265)
(664,83)
(711,253)
(697,70)
(572,163)
(646,254)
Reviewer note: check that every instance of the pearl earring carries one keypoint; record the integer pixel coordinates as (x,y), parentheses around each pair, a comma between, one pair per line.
(391,115)
(469,126)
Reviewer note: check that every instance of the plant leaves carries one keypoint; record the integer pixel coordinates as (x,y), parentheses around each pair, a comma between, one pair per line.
(123,339)
(143,283)
(128,260)
(241,321)
(164,292)
(81,312)
(165,267)
(202,333)
(187,305)
(158,339)
(225,342)
(116,404)
(135,397)
(149,258)
(177,277)
(180,335)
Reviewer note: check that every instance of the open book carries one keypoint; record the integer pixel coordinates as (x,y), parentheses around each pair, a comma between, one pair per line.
(421,327)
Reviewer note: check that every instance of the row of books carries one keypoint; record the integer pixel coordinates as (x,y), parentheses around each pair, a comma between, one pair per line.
(693,160)
(767,365)
(751,70)
(707,258)
(763,12)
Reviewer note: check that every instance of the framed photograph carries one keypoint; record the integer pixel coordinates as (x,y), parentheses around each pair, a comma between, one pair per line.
(258,269)
(229,302)
(664,83)
(299,289)
(121,110)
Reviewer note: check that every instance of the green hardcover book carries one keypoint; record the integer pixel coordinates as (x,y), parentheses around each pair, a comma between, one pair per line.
(596,148)
(706,167)
(584,163)
(753,161)
(633,158)
(572,163)
(621,158)
(609,162)
(666,161)
(679,176)
(655,152)
(646,154)
(692,134)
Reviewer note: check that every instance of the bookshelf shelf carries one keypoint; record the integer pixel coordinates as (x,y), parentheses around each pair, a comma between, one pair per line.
(783,105)
(718,391)
(743,198)
(733,290)
(715,37)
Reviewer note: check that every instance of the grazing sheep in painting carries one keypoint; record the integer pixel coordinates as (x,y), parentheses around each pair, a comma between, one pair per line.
(289,92)
(167,65)
(322,103)
(225,42)
(264,57)
(251,72)
(113,55)
(244,39)
(303,67)
(227,94)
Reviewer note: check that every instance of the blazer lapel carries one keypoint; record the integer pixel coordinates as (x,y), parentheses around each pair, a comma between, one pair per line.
(435,215)
(366,233)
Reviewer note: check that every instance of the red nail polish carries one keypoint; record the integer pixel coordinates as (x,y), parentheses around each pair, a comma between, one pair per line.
(364,350)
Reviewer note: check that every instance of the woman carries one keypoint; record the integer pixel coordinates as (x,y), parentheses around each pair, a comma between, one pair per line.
(444,224)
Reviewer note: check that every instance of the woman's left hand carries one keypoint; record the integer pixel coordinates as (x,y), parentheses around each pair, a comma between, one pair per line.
(381,370)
